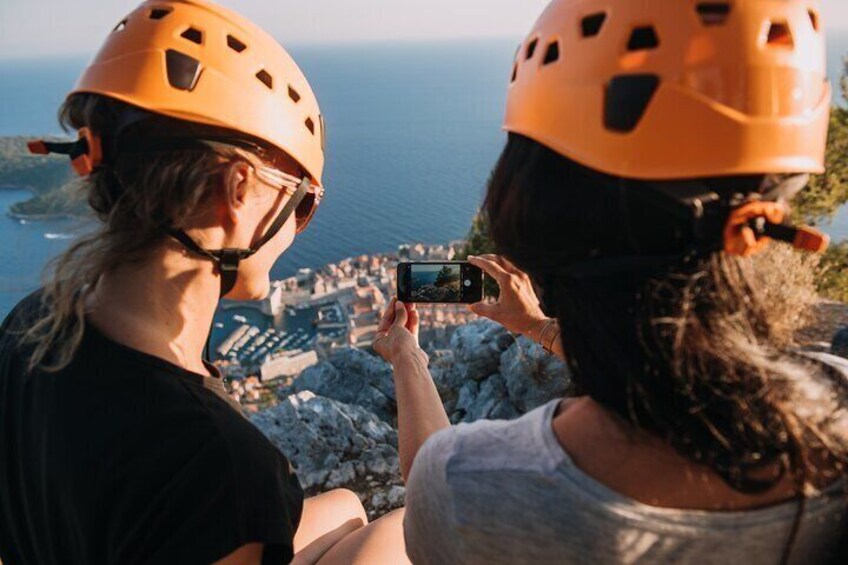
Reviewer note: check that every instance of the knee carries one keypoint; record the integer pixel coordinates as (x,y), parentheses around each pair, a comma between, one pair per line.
(349,505)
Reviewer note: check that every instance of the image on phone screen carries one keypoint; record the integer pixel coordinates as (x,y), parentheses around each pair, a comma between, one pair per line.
(435,283)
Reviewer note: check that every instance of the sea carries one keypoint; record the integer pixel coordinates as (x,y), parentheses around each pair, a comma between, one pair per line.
(413,133)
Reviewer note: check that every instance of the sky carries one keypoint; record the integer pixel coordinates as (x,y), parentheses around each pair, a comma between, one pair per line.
(39,28)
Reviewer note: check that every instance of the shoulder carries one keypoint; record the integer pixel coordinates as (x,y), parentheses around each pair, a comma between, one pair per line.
(225,486)
(490,445)
(24,313)
(255,460)
(454,464)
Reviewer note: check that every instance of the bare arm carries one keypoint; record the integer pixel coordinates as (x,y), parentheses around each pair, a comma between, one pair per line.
(420,410)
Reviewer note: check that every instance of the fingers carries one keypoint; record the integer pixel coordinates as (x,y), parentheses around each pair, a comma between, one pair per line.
(401,315)
(388,317)
(484,309)
(414,321)
(490,267)
(509,266)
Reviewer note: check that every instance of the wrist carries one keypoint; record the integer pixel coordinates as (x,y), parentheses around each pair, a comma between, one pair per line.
(411,358)
(538,327)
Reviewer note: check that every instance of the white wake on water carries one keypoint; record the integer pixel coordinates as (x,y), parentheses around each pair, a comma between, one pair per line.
(58,236)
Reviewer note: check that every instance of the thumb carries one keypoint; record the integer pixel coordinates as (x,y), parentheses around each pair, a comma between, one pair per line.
(484,309)
(400,314)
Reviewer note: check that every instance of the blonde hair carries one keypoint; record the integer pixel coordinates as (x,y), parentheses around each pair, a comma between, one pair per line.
(136,199)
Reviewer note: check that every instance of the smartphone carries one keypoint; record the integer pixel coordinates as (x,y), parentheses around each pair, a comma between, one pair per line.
(439,282)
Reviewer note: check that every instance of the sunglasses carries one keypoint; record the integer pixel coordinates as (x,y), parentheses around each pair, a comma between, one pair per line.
(279,180)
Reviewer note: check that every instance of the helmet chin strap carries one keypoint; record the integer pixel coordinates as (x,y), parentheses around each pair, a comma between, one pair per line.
(228,260)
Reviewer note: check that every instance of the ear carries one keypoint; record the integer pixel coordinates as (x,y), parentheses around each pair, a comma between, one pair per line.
(236,183)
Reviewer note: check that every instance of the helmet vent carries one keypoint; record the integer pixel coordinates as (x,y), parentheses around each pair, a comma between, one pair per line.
(531,49)
(323,132)
(514,73)
(552,54)
(235,44)
(265,79)
(643,38)
(779,35)
(627,99)
(310,125)
(814,18)
(159,13)
(183,70)
(121,26)
(294,95)
(591,26)
(193,34)
(713,13)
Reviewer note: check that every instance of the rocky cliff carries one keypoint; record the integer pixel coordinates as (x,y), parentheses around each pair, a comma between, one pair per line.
(337,420)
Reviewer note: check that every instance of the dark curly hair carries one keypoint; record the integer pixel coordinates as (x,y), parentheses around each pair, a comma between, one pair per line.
(684,349)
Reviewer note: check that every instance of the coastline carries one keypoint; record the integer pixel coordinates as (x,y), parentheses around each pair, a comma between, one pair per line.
(41,217)
(34,193)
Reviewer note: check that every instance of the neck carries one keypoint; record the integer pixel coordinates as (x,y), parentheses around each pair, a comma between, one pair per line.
(163,306)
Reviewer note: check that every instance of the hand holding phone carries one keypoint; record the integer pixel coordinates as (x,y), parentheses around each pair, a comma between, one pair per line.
(517,308)
(439,282)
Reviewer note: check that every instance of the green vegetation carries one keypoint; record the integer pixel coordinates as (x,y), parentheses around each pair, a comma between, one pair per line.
(479,242)
(833,275)
(447,276)
(828,192)
(67,199)
(20,169)
(49,177)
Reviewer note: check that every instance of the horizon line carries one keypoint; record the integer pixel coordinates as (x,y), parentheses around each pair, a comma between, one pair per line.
(351,42)
(59,55)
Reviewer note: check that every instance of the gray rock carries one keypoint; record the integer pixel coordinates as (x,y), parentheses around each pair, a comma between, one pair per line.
(533,377)
(839,346)
(344,474)
(503,410)
(326,440)
(477,348)
(467,394)
(378,501)
(354,377)
(396,495)
(493,397)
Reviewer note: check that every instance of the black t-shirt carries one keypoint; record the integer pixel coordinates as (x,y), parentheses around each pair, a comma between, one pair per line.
(125,458)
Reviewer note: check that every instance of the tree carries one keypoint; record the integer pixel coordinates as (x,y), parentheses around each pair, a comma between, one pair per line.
(479,242)
(828,192)
(845,77)
(446,276)
(833,275)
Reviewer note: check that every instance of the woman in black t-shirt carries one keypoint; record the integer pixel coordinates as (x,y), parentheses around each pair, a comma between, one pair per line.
(201,145)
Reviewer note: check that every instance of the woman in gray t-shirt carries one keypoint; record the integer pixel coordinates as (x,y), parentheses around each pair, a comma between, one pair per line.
(652,149)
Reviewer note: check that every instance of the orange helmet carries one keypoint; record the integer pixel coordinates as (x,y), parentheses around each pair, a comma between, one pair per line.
(196,61)
(675,89)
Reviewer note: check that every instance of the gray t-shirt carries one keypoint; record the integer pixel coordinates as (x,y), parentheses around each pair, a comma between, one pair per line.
(507,492)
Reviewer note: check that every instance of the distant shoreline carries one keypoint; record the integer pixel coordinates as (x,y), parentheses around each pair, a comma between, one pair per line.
(41,217)
(33,217)
(18,187)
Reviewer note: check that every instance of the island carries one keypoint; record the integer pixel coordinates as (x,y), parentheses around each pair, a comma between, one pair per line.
(55,189)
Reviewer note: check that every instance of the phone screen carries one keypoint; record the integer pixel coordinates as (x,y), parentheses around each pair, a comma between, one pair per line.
(450,282)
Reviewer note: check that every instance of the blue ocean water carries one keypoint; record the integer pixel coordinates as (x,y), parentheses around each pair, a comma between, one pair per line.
(413,131)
